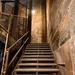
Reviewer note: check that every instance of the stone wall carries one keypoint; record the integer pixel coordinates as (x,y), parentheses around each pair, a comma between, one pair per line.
(36,32)
(61,33)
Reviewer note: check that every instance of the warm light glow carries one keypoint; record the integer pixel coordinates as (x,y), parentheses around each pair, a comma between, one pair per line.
(33,11)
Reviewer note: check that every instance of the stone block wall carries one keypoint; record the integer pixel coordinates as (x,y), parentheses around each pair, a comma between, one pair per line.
(61,33)
(36,30)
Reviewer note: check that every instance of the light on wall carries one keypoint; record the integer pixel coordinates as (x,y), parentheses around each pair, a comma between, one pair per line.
(33,11)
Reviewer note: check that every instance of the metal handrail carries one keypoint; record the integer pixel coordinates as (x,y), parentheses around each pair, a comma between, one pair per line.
(17,52)
(17,41)
(5,60)
(5,65)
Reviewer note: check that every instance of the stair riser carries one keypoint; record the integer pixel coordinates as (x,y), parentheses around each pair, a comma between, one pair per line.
(37,54)
(24,67)
(37,49)
(38,62)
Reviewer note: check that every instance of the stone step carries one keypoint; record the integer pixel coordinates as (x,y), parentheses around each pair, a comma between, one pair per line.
(37,59)
(37,64)
(38,53)
(37,56)
(37,48)
(36,70)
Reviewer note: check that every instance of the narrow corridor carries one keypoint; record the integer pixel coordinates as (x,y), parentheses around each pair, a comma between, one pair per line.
(37,37)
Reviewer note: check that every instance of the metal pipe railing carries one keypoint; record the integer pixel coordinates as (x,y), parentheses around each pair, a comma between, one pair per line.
(5,58)
(17,41)
(11,32)
(17,52)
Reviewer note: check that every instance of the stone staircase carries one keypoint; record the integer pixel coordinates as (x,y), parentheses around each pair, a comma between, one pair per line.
(37,59)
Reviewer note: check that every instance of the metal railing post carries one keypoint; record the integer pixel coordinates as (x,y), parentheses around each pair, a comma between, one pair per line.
(6,52)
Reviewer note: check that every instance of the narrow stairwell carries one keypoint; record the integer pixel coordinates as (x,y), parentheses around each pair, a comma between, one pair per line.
(37,59)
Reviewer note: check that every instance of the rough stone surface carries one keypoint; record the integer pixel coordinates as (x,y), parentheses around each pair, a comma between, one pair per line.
(36,32)
(61,33)
(62,70)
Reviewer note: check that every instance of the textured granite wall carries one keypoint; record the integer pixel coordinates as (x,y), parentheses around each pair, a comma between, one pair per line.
(36,32)
(61,33)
